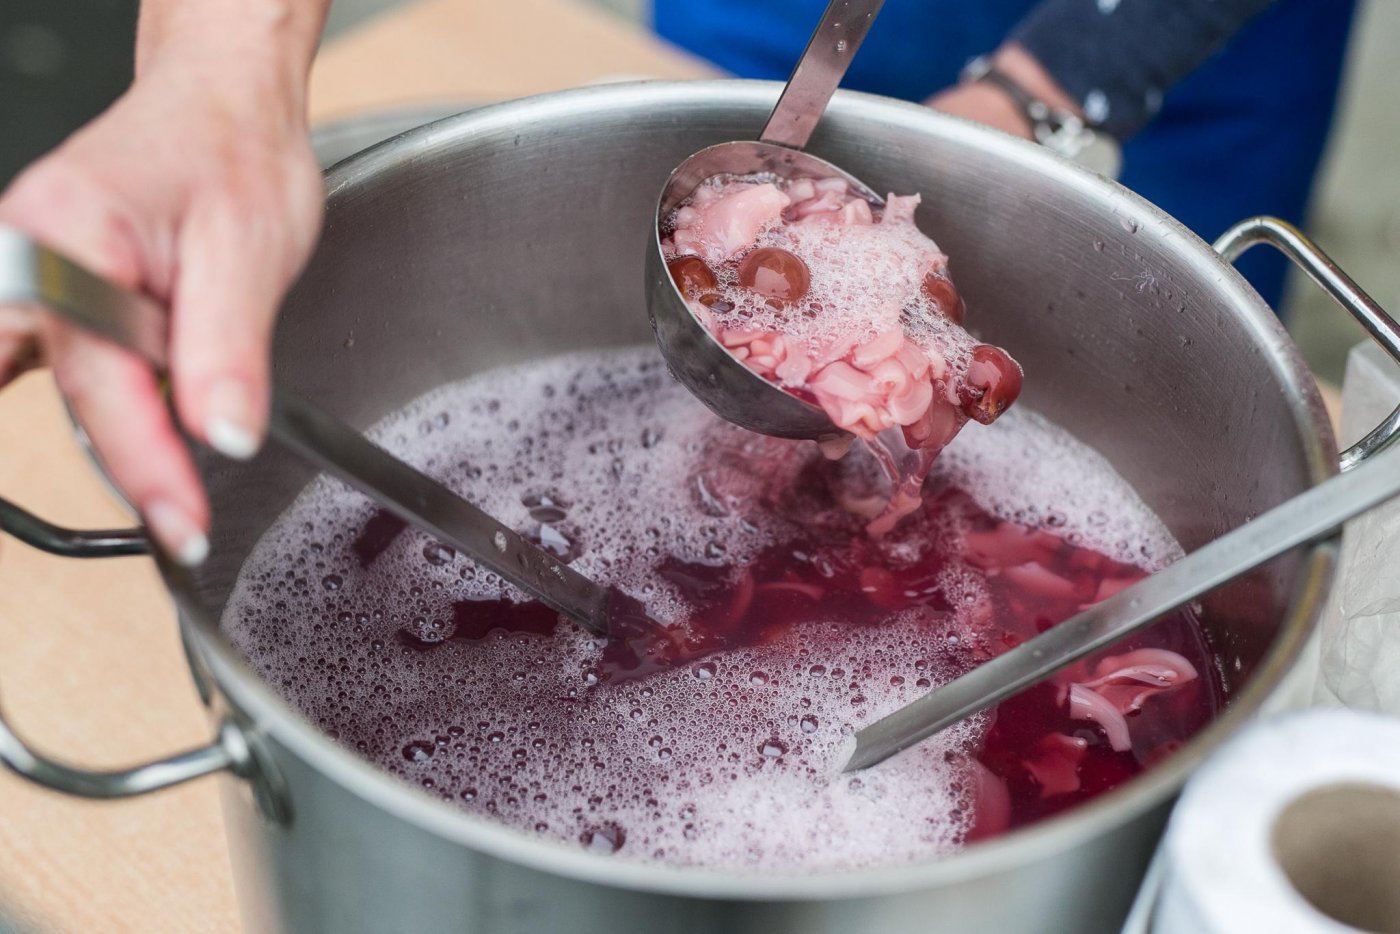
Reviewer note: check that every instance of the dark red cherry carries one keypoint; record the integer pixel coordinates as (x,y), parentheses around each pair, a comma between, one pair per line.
(940,290)
(692,276)
(993,382)
(775,273)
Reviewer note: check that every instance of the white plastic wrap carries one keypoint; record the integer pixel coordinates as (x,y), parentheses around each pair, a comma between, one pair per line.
(1360,665)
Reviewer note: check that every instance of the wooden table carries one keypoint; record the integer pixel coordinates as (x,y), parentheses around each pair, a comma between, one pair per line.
(91,667)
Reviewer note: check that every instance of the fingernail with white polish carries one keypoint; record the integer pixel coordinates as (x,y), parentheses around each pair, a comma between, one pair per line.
(176,533)
(228,425)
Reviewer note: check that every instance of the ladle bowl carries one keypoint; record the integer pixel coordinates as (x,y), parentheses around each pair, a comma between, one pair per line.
(702,364)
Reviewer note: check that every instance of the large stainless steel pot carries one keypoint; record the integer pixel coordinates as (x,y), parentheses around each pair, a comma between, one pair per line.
(519,231)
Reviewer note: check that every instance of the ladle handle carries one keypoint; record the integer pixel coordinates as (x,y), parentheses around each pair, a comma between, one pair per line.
(31,274)
(1311,516)
(1309,257)
(819,71)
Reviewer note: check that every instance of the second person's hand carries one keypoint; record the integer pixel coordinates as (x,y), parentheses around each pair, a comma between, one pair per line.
(989,104)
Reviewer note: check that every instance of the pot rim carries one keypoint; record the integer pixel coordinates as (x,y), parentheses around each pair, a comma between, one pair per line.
(270,715)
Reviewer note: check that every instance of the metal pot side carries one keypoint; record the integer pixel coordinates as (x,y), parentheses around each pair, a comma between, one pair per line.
(521,230)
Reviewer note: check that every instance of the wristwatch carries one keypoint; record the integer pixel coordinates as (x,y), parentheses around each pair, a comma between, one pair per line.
(1056,129)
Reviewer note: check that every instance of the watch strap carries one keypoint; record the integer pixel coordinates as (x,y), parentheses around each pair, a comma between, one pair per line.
(1057,129)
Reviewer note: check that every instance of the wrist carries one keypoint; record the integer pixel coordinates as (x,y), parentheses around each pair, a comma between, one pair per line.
(254,50)
(1021,67)
(986,103)
(1013,78)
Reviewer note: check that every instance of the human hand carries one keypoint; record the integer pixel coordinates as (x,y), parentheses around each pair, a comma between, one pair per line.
(983,103)
(202,192)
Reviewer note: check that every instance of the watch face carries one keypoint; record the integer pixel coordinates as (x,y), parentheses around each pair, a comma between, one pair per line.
(1097,152)
(1102,154)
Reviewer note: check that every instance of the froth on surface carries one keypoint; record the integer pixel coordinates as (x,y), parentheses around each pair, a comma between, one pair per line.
(865,280)
(1027,470)
(725,762)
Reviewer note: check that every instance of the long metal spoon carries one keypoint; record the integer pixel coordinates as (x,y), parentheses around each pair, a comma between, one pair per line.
(701,363)
(1308,517)
(32,274)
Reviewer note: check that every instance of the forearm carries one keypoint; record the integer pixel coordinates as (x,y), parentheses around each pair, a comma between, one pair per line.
(989,104)
(1116,60)
(264,46)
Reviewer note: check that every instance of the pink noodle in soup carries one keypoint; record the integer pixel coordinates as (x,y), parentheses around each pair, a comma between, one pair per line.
(845,304)
(783,627)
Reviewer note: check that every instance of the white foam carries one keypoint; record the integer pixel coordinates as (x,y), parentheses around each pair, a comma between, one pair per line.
(865,280)
(510,726)
(1025,469)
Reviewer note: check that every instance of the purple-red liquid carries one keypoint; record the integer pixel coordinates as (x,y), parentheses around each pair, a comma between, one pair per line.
(842,571)
(714,738)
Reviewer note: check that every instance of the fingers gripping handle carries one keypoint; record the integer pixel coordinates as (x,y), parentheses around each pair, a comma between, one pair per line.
(34,276)
(31,275)
(1291,242)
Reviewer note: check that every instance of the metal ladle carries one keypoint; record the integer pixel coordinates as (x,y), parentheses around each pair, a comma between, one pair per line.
(701,363)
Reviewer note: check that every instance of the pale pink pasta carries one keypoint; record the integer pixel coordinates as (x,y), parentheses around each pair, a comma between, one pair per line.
(846,304)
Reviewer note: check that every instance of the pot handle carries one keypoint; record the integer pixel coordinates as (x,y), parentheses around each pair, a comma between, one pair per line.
(229,750)
(1292,243)
(71,543)
(30,275)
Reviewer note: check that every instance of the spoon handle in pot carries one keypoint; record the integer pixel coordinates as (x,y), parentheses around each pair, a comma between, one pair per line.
(325,441)
(819,71)
(31,274)
(1308,517)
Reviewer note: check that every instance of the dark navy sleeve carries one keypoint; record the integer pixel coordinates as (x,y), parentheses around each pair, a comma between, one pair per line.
(1118,57)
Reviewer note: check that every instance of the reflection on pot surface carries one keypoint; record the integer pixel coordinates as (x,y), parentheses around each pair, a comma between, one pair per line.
(786,627)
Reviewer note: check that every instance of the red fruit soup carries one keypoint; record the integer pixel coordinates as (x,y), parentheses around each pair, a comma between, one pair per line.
(783,627)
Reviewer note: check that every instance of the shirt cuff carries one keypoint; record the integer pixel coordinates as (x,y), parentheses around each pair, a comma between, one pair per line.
(1118,58)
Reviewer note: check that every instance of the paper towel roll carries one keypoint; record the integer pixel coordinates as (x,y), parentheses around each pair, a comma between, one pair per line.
(1293,828)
